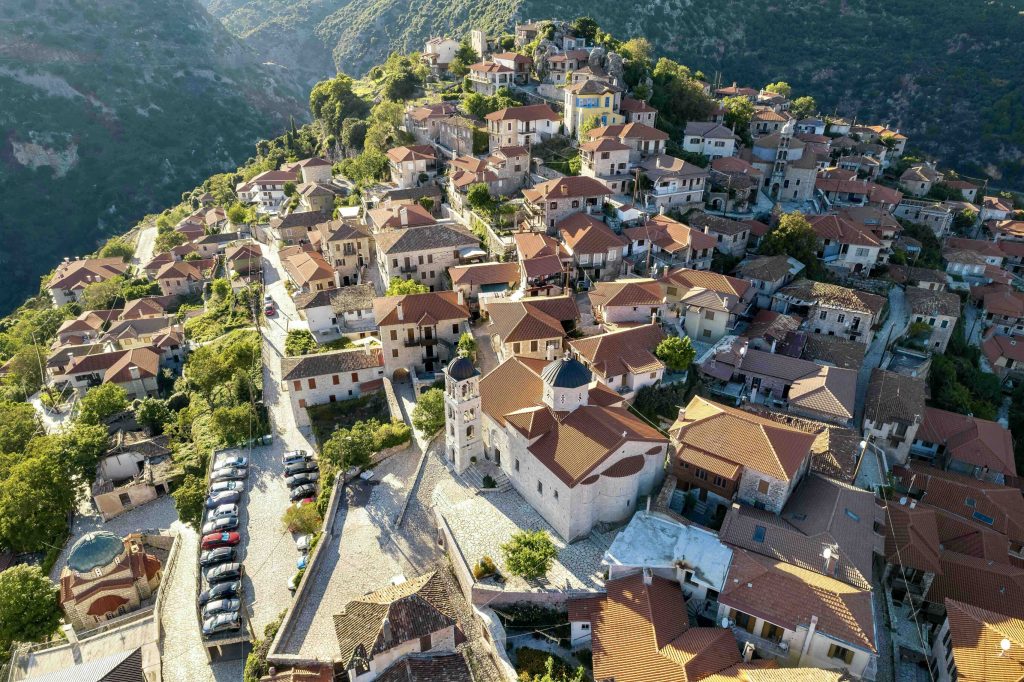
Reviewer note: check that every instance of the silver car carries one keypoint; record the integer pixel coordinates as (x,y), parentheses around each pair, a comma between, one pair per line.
(224,510)
(221,606)
(223,486)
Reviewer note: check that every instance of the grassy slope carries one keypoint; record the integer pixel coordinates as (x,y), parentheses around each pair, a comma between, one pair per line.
(146,98)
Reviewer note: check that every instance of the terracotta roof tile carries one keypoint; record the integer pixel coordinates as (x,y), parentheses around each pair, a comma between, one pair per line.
(977,637)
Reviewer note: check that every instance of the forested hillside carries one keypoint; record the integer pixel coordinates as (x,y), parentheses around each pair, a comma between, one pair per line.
(108,110)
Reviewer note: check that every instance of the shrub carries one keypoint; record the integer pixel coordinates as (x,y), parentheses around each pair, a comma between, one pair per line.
(302,519)
(529,554)
(300,342)
(485,567)
(428,415)
(489,482)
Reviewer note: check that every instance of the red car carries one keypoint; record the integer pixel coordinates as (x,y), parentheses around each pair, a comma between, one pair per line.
(268,310)
(215,540)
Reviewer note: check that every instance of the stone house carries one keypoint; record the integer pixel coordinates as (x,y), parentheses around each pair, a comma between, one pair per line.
(709,304)
(932,214)
(596,250)
(307,270)
(768,274)
(346,310)
(521,126)
(623,360)
(531,327)
(485,280)
(628,301)
(713,140)
(519,63)
(550,202)
(893,410)
(71,277)
(438,53)
(661,242)
(424,122)
(756,460)
(676,183)
(347,247)
(412,165)
(244,258)
(608,161)
(638,111)
(184,278)
(420,331)
(940,310)
(788,168)
(311,171)
(1005,357)
(1003,310)
(561,64)
(831,309)
(919,179)
(424,253)
(329,377)
(844,244)
(266,190)
(964,444)
(730,235)
(486,78)
(135,470)
(455,135)
(643,140)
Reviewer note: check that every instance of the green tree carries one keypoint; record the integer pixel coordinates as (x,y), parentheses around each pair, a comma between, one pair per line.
(781,87)
(400,287)
(803,107)
(467,345)
(588,125)
(165,241)
(348,448)
(35,499)
(19,422)
(677,96)
(101,295)
(82,446)
(29,610)
(289,189)
(479,196)
(152,413)
(300,342)
(676,352)
(331,101)
(235,424)
(118,247)
(428,415)
(304,519)
(795,237)
(738,113)
(101,402)
(465,57)
(190,500)
(426,202)
(585,27)
(353,134)
(529,554)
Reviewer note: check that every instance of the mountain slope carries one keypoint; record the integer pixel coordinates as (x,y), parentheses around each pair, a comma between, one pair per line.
(110,110)
(947,72)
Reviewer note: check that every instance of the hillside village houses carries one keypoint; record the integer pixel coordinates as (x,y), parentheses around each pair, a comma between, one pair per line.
(754,506)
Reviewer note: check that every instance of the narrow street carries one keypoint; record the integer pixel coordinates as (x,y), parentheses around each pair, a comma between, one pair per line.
(893,326)
(144,245)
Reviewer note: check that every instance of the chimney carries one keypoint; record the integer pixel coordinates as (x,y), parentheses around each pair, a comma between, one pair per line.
(807,639)
(403,216)
(337,279)
(913,504)
(748,652)
(386,632)
(398,311)
(774,342)
(648,577)
(133,371)
(462,298)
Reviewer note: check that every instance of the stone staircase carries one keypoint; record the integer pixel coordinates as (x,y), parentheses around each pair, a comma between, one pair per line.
(474,476)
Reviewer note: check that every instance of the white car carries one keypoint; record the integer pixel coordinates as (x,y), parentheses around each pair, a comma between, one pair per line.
(224,510)
(234,462)
(221,486)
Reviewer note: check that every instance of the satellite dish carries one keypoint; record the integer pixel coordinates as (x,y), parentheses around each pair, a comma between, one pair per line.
(1004,645)
(725,624)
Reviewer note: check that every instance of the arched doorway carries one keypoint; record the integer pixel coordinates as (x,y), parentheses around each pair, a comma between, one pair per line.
(400,374)
(775,191)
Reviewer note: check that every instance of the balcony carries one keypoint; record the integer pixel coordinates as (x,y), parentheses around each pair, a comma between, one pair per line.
(765,648)
(412,343)
(405,269)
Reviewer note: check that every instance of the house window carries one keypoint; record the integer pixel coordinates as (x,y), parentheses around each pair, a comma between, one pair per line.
(302,403)
(394,335)
(840,653)
(553,205)
(841,318)
(575,203)
(394,352)
(772,632)
(759,532)
(311,382)
(700,473)
(743,620)
(540,488)
(762,487)
(718,481)
(515,348)
(355,377)
(823,315)
(706,333)
(709,314)
(335,380)
(455,329)
(517,465)
(297,385)
(555,491)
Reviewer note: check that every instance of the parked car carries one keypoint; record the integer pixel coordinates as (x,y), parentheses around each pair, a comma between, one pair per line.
(223,486)
(220,591)
(302,492)
(215,540)
(301,563)
(302,479)
(222,622)
(221,524)
(223,497)
(224,510)
(236,462)
(296,456)
(221,555)
(269,310)
(268,299)
(302,543)
(221,606)
(231,474)
(222,572)
(300,467)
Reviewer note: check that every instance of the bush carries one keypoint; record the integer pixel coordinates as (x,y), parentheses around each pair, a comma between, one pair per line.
(485,567)
(428,415)
(529,554)
(101,402)
(256,663)
(300,342)
(303,519)
(534,665)
(489,482)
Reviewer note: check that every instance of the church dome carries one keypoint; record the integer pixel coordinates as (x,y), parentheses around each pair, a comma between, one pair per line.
(94,550)
(567,372)
(461,368)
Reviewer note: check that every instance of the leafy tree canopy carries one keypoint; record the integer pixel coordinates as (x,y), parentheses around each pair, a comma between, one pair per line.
(529,554)
(29,610)
(676,352)
(101,402)
(428,415)
(400,287)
